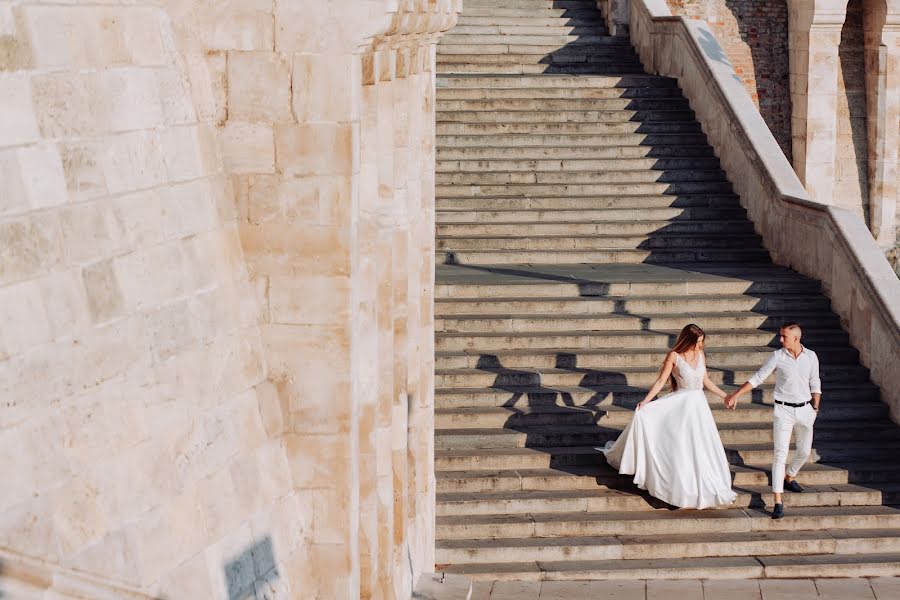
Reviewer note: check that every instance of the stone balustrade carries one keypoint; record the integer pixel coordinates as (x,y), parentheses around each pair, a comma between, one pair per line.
(824,242)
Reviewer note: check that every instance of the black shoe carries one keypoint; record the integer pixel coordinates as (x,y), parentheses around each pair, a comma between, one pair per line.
(793,486)
(778,513)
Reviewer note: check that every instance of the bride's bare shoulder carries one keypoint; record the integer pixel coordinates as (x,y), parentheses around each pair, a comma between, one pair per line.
(671,356)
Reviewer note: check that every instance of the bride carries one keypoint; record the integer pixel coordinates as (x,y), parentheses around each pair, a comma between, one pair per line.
(672,445)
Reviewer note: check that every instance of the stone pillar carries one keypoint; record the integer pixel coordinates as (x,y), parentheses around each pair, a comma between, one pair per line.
(815,33)
(615,13)
(881,22)
(328,231)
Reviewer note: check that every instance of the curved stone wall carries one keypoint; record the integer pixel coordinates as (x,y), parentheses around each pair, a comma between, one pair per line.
(216,223)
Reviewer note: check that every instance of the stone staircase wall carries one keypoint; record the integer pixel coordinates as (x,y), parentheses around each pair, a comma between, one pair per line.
(827,243)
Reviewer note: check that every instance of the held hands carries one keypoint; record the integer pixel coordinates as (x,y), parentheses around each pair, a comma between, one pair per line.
(730,401)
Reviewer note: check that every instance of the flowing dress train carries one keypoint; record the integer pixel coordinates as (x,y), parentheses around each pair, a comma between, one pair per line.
(672,446)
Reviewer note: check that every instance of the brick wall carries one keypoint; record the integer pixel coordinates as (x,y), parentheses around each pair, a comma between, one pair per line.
(754,34)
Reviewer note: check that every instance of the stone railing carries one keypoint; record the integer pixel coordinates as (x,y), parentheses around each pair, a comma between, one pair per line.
(823,242)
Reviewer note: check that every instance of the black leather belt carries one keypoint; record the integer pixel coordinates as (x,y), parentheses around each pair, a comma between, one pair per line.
(793,405)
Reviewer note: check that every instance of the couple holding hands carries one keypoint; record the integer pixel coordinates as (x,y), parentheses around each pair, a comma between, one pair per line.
(672,445)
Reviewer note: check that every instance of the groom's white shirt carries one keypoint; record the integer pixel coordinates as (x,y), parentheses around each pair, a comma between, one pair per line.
(795,379)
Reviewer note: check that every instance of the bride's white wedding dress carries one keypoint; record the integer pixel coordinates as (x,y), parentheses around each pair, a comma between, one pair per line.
(672,446)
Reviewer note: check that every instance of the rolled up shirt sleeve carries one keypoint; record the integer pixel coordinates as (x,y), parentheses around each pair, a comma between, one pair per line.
(815,384)
(765,371)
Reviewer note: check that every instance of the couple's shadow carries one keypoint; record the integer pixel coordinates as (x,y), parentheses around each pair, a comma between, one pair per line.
(566,421)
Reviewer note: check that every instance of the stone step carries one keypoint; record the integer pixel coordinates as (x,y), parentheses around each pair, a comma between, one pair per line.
(558,431)
(639,376)
(591,28)
(575,94)
(485,10)
(587,18)
(594,116)
(525,39)
(602,500)
(860,400)
(544,47)
(639,547)
(748,567)
(712,177)
(621,216)
(593,476)
(566,457)
(477,323)
(618,203)
(599,154)
(626,83)
(520,549)
(474,232)
(605,280)
(590,127)
(556,242)
(561,104)
(659,257)
(613,56)
(622,188)
(773,305)
(616,165)
(532,5)
(665,522)
(856,411)
(620,340)
(609,140)
(568,67)
(829,453)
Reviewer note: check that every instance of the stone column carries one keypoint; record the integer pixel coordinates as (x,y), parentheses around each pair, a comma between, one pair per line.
(881,21)
(815,34)
(328,234)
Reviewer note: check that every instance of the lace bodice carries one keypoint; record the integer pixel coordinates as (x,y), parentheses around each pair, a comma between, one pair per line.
(689,378)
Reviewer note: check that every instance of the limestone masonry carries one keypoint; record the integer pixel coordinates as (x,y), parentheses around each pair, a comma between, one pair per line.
(219,228)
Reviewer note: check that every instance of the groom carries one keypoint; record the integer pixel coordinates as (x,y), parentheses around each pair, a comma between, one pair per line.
(798,392)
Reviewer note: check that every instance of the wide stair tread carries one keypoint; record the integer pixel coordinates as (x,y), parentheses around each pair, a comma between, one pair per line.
(582,219)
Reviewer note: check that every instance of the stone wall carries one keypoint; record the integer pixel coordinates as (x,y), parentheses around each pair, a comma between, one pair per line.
(754,35)
(851,185)
(216,231)
(827,243)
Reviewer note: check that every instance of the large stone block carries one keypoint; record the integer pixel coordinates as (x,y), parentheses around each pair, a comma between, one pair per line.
(314,149)
(32,178)
(207,77)
(18,121)
(313,300)
(259,87)
(29,245)
(324,86)
(248,147)
(133,161)
(103,294)
(23,318)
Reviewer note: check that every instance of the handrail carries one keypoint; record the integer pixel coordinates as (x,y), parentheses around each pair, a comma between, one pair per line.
(824,242)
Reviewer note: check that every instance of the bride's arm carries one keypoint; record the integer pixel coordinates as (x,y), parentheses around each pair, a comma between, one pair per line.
(713,387)
(667,366)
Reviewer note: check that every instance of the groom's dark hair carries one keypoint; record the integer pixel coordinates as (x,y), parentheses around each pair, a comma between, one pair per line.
(791,325)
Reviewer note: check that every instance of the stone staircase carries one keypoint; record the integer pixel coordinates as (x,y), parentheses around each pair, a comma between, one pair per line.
(582,220)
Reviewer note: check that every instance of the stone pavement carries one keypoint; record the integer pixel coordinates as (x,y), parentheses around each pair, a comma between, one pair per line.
(878,588)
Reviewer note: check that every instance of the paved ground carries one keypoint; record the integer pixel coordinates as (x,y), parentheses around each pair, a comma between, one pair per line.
(880,588)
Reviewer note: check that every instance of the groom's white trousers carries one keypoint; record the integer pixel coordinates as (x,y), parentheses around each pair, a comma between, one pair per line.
(787,419)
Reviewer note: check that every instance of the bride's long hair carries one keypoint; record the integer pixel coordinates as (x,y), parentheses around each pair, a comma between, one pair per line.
(687,339)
